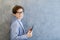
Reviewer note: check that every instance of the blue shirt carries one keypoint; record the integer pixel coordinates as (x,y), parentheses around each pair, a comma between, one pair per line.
(17,31)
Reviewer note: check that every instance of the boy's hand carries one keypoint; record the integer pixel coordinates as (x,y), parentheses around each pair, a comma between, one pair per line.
(29,34)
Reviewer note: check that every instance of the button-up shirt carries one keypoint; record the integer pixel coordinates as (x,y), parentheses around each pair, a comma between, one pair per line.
(17,31)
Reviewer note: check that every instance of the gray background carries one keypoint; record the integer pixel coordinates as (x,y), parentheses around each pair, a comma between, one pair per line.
(43,14)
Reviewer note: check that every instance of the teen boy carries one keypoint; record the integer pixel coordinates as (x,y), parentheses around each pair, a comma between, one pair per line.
(17,31)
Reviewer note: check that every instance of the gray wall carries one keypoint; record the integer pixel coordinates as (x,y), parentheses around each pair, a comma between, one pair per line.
(43,14)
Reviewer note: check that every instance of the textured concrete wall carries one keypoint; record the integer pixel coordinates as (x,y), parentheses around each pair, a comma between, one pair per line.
(43,14)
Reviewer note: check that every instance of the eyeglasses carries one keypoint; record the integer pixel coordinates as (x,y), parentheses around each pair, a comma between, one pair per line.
(20,12)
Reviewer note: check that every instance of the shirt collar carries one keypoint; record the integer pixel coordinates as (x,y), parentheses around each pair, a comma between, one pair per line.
(19,20)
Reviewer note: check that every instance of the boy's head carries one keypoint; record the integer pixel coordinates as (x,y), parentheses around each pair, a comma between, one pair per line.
(18,11)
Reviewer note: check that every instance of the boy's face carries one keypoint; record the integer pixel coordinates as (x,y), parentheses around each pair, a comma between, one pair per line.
(19,14)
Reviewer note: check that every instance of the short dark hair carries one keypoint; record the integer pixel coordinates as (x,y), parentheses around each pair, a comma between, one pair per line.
(15,8)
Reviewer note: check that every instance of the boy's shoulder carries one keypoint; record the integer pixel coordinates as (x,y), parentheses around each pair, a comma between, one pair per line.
(15,22)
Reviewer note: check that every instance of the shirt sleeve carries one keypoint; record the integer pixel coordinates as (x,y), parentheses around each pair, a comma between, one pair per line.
(15,32)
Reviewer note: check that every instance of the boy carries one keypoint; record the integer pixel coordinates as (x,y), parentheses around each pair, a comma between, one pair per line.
(17,30)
